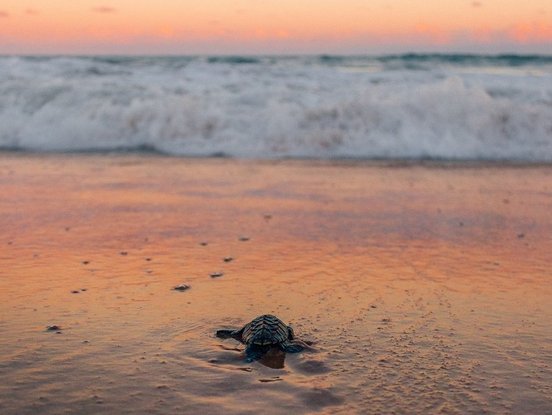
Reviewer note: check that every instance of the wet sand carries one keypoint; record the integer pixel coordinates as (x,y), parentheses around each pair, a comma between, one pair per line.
(425,289)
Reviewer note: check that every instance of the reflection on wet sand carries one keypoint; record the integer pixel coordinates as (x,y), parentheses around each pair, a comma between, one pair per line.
(274,358)
(415,283)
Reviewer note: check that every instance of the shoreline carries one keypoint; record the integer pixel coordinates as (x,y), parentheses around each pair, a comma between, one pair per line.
(338,161)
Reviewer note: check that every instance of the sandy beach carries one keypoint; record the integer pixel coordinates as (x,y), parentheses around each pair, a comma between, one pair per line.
(424,288)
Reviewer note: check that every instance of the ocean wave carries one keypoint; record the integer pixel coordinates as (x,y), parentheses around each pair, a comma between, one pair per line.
(491,108)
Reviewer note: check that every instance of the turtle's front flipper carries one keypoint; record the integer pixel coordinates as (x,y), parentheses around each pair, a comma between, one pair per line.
(254,352)
(292,347)
(229,334)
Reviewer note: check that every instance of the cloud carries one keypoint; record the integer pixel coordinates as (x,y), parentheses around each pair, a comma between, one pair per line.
(4,14)
(104,9)
(476,3)
(31,12)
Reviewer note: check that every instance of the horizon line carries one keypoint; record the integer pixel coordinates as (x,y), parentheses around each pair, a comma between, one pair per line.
(285,55)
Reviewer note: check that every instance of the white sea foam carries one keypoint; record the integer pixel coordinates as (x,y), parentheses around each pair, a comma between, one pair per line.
(280,107)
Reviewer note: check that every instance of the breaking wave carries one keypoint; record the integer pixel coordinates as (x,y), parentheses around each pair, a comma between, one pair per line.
(451,107)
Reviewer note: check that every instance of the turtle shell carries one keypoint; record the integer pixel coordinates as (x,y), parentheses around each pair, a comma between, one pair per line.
(265,330)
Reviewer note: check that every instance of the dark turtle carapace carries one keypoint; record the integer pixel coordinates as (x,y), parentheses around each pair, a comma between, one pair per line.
(262,334)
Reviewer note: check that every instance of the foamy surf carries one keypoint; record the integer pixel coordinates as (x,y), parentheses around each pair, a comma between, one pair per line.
(441,107)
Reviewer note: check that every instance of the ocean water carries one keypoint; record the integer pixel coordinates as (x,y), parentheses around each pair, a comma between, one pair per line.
(446,107)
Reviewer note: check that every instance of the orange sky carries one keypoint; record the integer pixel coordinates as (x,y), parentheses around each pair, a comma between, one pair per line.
(274,26)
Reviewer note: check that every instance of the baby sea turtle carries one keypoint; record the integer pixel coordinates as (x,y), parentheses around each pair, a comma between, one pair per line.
(263,333)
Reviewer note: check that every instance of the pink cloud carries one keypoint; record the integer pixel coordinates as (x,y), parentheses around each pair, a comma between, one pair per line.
(31,12)
(104,9)
(4,14)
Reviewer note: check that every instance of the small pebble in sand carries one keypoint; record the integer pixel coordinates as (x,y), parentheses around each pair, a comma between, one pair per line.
(228,259)
(84,289)
(521,235)
(85,262)
(204,243)
(67,229)
(268,217)
(216,274)
(272,379)
(244,238)
(75,292)
(373,306)
(182,287)
(123,253)
(148,259)
(53,328)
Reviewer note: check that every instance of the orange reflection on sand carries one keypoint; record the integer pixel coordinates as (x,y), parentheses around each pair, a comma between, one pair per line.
(421,287)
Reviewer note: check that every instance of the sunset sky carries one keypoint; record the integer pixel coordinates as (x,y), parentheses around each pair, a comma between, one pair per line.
(274,26)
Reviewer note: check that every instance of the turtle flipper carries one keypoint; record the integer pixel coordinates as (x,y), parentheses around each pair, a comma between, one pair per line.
(292,347)
(229,334)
